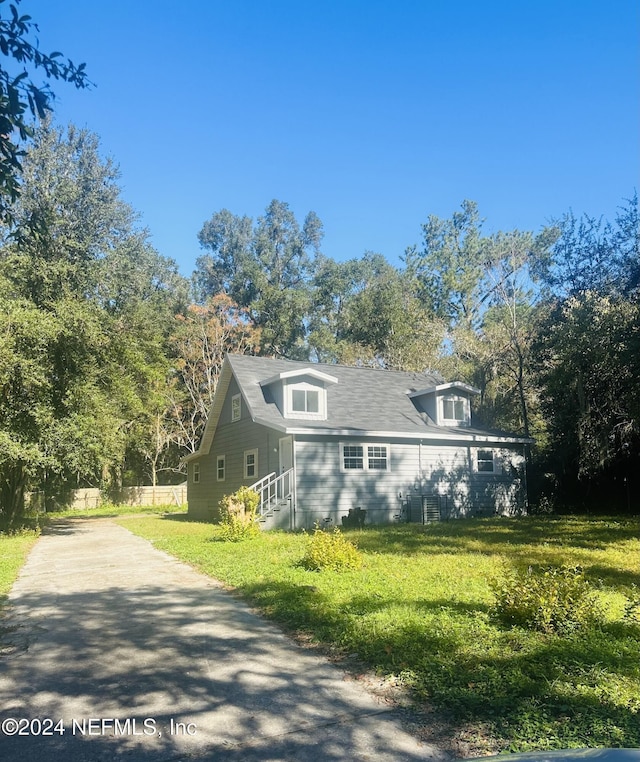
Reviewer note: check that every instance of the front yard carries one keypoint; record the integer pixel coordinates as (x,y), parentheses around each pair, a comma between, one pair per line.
(420,613)
(14,550)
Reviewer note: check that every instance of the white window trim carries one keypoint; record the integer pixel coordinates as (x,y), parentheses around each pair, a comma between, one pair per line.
(289,412)
(195,473)
(494,463)
(454,421)
(222,458)
(365,457)
(253,452)
(236,409)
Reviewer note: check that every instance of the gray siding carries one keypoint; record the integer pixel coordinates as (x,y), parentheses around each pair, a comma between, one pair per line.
(231,439)
(427,404)
(326,492)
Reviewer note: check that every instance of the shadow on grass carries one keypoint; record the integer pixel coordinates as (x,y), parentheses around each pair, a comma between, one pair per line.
(525,542)
(185,518)
(545,690)
(494,534)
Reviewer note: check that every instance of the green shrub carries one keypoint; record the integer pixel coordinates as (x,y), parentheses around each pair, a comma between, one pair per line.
(239,515)
(330,550)
(550,599)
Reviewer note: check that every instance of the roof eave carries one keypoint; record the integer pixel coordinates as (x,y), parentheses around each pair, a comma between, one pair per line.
(443,387)
(285,375)
(447,434)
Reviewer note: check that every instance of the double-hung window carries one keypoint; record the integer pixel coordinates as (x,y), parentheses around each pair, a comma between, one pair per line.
(486,462)
(250,464)
(378,457)
(360,456)
(220,468)
(352,457)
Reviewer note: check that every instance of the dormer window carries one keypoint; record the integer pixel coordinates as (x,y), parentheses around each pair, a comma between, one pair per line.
(300,394)
(445,404)
(304,400)
(454,409)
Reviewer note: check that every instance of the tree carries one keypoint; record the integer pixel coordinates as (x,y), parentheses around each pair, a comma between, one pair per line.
(393,326)
(510,323)
(587,353)
(333,288)
(85,310)
(21,97)
(265,268)
(202,338)
(364,311)
(483,287)
(450,268)
(593,254)
(25,391)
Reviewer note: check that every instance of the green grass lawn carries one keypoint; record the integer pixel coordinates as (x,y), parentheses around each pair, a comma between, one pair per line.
(420,609)
(111,509)
(13,553)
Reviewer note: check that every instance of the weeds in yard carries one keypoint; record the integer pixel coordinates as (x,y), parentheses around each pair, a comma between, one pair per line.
(550,599)
(330,550)
(419,609)
(238,515)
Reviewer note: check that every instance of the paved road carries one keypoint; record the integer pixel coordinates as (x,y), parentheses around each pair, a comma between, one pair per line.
(102,628)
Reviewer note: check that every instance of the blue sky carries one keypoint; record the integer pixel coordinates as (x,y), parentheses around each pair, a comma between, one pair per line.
(372,114)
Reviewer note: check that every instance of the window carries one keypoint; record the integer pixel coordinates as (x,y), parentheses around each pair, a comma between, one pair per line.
(361,457)
(486,463)
(195,473)
(377,457)
(236,407)
(305,400)
(454,409)
(250,464)
(220,468)
(353,457)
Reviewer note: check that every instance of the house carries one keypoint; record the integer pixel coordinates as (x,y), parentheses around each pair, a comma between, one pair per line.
(320,441)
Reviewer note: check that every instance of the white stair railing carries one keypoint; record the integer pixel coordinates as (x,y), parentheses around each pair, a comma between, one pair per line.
(273,489)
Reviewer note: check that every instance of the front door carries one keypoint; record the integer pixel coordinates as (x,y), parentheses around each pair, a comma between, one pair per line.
(285,454)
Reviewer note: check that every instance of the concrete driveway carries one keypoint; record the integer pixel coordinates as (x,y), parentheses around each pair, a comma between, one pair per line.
(111,649)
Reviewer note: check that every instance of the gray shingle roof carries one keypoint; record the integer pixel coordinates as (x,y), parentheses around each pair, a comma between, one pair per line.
(363,400)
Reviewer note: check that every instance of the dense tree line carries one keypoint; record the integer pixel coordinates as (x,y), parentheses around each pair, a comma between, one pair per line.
(109,358)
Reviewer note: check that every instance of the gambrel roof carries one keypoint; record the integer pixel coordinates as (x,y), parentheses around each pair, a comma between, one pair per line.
(360,402)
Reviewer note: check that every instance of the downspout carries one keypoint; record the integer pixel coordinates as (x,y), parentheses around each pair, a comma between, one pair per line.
(292,520)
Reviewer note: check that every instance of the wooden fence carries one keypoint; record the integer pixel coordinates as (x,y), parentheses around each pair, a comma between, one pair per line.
(92,497)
